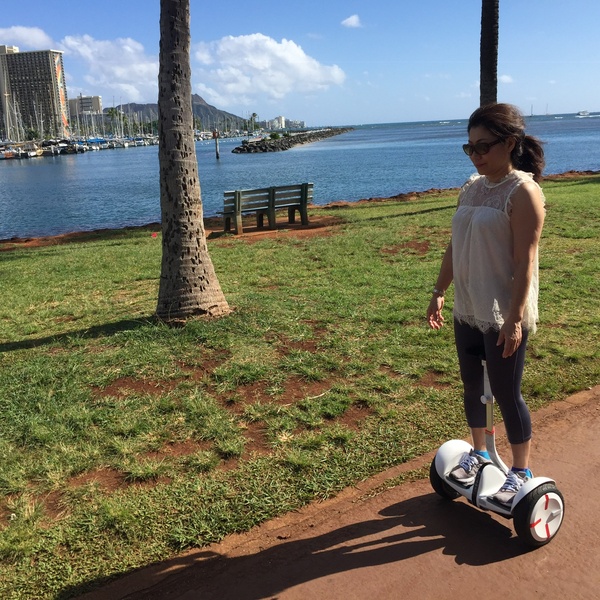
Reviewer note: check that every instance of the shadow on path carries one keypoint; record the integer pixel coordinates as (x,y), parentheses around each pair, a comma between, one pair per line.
(401,532)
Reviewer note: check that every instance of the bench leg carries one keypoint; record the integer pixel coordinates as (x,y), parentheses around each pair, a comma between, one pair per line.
(271,210)
(260,219)
(237,203)
(304,204)
(226,223)
(239,228)
(303,214)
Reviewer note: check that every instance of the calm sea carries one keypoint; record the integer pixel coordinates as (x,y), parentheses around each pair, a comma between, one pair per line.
(117,188)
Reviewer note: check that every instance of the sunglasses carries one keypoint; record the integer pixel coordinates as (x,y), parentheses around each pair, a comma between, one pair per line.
(479,148)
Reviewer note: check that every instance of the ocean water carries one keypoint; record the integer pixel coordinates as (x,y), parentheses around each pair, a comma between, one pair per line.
(120,187)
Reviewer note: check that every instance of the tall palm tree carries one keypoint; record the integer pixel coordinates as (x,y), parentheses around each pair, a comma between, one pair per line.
(188,282)
(488,52)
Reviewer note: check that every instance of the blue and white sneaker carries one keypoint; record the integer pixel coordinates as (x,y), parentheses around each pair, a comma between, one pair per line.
(506,494)
(466,470)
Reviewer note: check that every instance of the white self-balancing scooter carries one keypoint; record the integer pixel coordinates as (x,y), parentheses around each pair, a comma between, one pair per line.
(538,508)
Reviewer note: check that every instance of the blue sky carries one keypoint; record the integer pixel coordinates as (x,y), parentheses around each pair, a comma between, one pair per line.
(327,62)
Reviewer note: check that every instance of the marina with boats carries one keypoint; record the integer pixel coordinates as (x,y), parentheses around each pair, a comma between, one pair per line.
(53,147)
(259,143)
(28,150)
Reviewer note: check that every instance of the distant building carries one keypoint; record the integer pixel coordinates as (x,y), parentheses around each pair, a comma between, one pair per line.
(291,124)
(278,123)
(85,105)
(33,94)
(283,123)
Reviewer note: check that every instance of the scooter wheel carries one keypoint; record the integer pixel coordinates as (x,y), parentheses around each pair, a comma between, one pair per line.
(539,515)
(439,485)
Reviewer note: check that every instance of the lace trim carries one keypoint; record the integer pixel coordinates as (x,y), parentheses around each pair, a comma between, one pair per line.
(471,321)
(476,193)
(486,326)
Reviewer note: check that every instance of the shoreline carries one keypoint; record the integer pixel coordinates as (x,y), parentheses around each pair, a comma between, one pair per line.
(213,225)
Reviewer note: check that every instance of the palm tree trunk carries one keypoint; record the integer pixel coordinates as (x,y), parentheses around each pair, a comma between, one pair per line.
(488,79)
(188,282)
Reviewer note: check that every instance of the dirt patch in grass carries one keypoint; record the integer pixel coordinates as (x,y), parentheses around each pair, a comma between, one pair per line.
(287,345)
(108,480)
(431,379)
(318,226)
(125,386)
(413,246)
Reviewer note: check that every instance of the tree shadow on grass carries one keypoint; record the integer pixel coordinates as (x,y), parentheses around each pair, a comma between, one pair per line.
(97,331)
(400,532)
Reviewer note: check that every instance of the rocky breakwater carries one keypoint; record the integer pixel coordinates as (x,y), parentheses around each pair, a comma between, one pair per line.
(288,141)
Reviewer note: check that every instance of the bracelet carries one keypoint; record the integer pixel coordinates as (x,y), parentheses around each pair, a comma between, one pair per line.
(438,293)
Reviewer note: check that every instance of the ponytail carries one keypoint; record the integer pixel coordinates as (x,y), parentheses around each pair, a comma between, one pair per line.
(528,156)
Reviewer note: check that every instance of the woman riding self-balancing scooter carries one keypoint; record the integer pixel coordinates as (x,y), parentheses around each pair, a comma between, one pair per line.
(538,507)
(492,260)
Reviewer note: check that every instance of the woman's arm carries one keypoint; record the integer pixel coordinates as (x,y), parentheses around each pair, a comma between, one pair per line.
(436,304)
(527,220)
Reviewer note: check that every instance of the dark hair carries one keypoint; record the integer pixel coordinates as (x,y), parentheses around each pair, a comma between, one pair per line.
(506,121)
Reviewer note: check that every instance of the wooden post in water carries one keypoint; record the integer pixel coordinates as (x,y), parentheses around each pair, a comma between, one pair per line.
(216,138)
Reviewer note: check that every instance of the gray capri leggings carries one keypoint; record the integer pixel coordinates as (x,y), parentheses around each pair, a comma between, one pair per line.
(505,376)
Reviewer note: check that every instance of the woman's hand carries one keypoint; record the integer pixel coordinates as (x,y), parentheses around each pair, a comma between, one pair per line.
(434,312)
(511,335)
(436,304)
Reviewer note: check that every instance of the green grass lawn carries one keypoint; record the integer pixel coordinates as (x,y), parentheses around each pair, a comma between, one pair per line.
(123,441)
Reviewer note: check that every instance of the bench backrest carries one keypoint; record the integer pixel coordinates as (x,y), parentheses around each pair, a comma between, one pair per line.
(258,199)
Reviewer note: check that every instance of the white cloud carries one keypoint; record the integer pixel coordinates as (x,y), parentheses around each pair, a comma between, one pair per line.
(506,79)
(203,54)
(118,66)
(230,71)
(27,38)
(237,70)
(96,67)
(352,21)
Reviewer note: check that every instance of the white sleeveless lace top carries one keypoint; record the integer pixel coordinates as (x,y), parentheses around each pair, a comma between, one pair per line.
(482,258)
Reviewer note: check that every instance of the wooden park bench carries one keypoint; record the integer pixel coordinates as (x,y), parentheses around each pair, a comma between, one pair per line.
(266,201)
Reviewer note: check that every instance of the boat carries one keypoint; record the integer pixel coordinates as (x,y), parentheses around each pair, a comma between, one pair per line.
(51,148)
(583,113)
(32,150)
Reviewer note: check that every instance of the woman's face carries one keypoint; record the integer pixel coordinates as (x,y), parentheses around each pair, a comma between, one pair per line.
(495,163)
